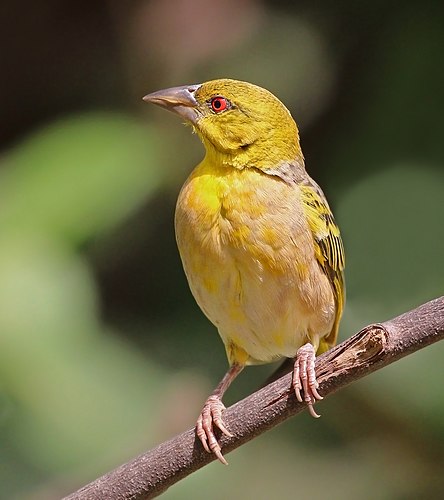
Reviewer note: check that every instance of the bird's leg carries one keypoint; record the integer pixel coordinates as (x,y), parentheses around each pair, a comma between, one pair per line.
(304,377)
(211,415)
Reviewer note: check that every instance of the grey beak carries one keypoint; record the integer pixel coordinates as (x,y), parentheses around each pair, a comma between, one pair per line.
(179,100)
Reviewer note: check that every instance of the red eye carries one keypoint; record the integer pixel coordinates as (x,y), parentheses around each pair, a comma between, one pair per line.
(218,104)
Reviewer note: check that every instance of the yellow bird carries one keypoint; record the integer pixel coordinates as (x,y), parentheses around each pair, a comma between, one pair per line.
(258,242)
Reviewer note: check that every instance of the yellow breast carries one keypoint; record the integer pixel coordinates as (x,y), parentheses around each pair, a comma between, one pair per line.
(249,258)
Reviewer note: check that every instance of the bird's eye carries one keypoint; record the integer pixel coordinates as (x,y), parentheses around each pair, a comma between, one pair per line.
(218,104)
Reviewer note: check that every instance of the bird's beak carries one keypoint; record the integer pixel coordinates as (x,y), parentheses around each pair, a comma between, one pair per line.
(179,100)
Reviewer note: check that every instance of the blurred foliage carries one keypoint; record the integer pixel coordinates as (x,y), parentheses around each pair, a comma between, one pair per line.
(100,339)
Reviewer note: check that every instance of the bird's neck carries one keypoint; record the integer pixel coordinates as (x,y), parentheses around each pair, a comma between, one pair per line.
(262,155)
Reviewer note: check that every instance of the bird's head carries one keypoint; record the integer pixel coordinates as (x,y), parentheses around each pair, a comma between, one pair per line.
(239,123)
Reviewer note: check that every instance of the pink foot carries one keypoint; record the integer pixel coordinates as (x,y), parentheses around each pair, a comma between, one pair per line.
(304,377)
(211,416)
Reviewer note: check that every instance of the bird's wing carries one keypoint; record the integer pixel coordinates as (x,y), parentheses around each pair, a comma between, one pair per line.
(329,249)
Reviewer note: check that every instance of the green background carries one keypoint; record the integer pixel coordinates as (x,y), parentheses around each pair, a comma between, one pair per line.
(103,352)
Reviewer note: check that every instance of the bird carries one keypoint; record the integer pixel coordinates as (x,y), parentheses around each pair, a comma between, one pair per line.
(260,247)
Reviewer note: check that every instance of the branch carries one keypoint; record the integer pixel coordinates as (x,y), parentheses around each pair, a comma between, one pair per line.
(372,348)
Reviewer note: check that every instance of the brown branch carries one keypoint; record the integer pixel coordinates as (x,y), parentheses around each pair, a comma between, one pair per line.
(370,349)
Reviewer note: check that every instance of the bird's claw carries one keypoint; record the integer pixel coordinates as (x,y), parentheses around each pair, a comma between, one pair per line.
(304,378)
(210,417)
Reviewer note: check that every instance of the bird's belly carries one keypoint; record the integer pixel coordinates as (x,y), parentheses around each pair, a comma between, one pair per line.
(250,276)
(255,310)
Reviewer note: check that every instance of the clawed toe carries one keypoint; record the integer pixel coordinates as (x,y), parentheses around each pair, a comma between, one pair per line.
(304,378)
(211,417)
